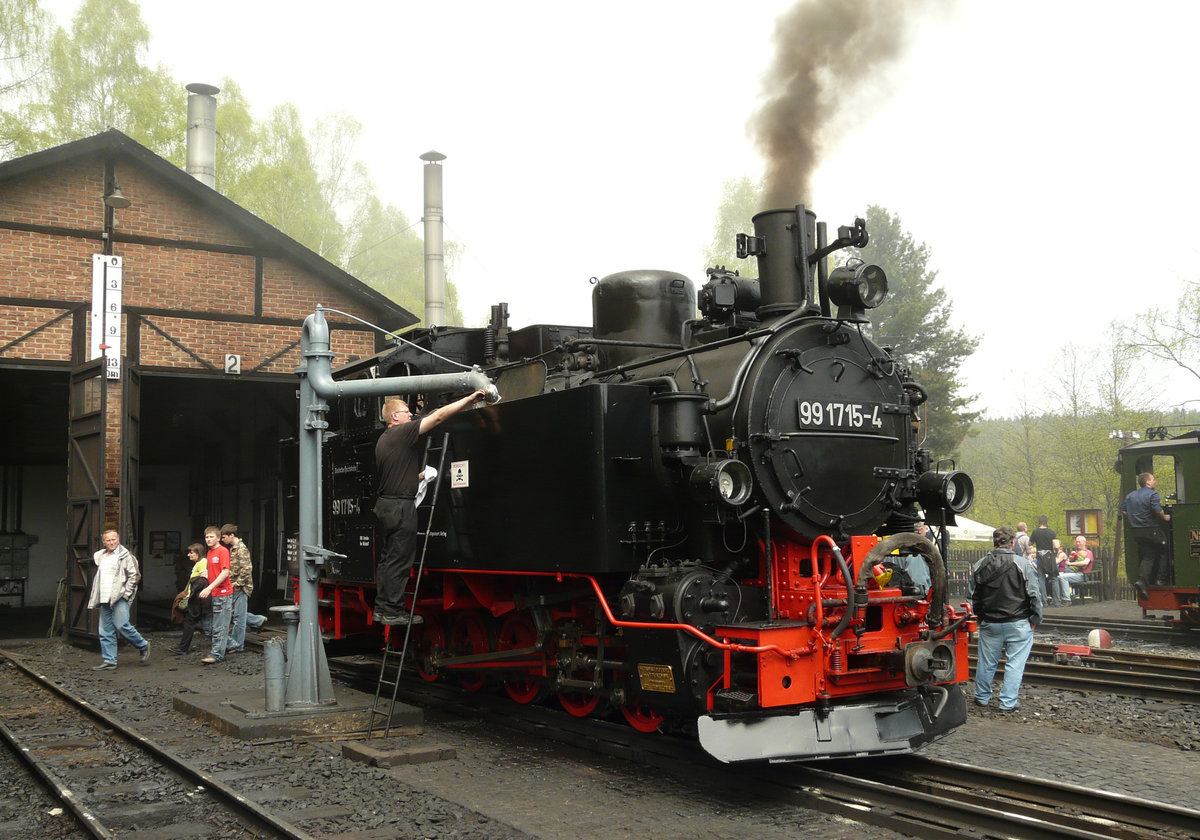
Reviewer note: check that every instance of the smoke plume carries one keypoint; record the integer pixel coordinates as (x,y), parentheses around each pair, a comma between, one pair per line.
(825,50)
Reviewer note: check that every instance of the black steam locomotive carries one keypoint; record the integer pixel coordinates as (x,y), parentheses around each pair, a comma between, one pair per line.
(695,512)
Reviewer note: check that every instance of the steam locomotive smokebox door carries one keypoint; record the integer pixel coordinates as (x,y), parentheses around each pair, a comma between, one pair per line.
(555,482)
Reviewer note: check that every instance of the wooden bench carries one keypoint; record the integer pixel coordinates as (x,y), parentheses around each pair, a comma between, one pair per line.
(1090,588)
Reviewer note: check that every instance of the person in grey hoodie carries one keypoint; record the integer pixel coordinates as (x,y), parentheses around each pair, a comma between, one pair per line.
(113,590)
(1005,593)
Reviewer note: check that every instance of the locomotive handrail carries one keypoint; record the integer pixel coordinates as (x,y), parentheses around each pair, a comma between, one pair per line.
(689,351)
(643,625)
(851,599)
(687,628)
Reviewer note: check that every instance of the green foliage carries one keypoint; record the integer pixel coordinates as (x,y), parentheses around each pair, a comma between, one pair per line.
(388,255)
(23,31)
(64,86)
(741,198)
(282,186)
(915,319)
(1045,464)
(1171,334)
(1061,456)
(95,80)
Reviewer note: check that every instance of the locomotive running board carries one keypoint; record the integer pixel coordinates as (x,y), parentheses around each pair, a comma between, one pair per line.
(897,725)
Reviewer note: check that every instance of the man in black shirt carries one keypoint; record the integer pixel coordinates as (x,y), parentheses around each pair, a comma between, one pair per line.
(398,462)
(1004,594)
(1043,538)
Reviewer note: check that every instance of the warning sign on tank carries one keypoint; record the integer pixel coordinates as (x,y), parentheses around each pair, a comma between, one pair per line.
(460,474)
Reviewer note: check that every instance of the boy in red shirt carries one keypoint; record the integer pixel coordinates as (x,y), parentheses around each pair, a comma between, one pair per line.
(220,589)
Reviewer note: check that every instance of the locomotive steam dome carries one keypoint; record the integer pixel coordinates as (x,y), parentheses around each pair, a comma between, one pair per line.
(826,418)
(643,306)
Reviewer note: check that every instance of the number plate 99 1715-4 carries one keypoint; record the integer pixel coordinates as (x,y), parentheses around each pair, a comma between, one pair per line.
(831,414)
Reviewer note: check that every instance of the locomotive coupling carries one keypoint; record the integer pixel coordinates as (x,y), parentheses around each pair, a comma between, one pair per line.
(926,662)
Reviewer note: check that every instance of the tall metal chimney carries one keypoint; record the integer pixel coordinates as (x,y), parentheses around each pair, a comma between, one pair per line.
(202,133)
(435,259)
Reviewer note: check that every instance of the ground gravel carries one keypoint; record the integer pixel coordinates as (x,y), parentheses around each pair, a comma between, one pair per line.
(1124,718)
(284,777)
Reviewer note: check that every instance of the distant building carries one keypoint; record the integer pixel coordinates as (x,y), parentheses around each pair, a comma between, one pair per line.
(176,423)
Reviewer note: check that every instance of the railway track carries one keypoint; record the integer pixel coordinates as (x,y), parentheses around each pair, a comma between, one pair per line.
(114,780)
(1147,630)
(953,796)
(920,797)
(1125,673)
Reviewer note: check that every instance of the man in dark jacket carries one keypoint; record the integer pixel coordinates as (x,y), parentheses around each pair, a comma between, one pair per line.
(1143,507)
(1006,597)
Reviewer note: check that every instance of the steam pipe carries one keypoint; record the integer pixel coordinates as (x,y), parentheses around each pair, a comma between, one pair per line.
(315,340)
(851,596)
(823,271)
(932,557)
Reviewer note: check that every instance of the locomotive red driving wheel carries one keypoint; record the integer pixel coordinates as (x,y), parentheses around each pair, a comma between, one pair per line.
(641,718)
(518,632)
(431,641)
(578,704)
(469,636)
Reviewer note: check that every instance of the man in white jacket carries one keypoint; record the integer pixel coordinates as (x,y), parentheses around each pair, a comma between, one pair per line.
(113,589)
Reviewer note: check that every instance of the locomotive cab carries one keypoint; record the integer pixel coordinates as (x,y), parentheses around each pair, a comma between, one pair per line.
(1173,585)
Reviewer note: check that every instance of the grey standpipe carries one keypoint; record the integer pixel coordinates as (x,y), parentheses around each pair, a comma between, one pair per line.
(308,682)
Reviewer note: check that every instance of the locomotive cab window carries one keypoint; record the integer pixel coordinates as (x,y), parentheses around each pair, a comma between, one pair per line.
(1168,481)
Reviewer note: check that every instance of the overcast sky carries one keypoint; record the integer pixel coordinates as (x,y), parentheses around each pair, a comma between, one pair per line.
(1045,150)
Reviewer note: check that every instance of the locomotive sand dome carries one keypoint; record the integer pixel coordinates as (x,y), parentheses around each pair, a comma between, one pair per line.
(677,512)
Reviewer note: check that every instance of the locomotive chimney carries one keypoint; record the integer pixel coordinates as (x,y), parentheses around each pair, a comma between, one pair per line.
(782,242)
(202,133)
(435,262)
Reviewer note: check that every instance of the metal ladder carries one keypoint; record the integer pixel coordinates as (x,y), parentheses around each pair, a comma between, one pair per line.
(389,650)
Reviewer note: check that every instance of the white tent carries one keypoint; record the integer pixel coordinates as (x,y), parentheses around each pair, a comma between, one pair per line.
(969,530)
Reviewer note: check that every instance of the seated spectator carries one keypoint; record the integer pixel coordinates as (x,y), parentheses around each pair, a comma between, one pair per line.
(1057,588)
(1075,568)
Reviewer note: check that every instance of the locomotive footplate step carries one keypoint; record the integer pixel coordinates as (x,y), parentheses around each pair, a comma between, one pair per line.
(244,714)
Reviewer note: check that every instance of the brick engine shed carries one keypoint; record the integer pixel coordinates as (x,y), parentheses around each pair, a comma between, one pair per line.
(176,424)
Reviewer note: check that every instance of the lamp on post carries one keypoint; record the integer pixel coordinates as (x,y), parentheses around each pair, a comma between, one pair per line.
(113,197)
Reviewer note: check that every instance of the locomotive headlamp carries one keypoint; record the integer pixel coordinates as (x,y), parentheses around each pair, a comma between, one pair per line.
(952,490)
(726,481)
(856,287)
